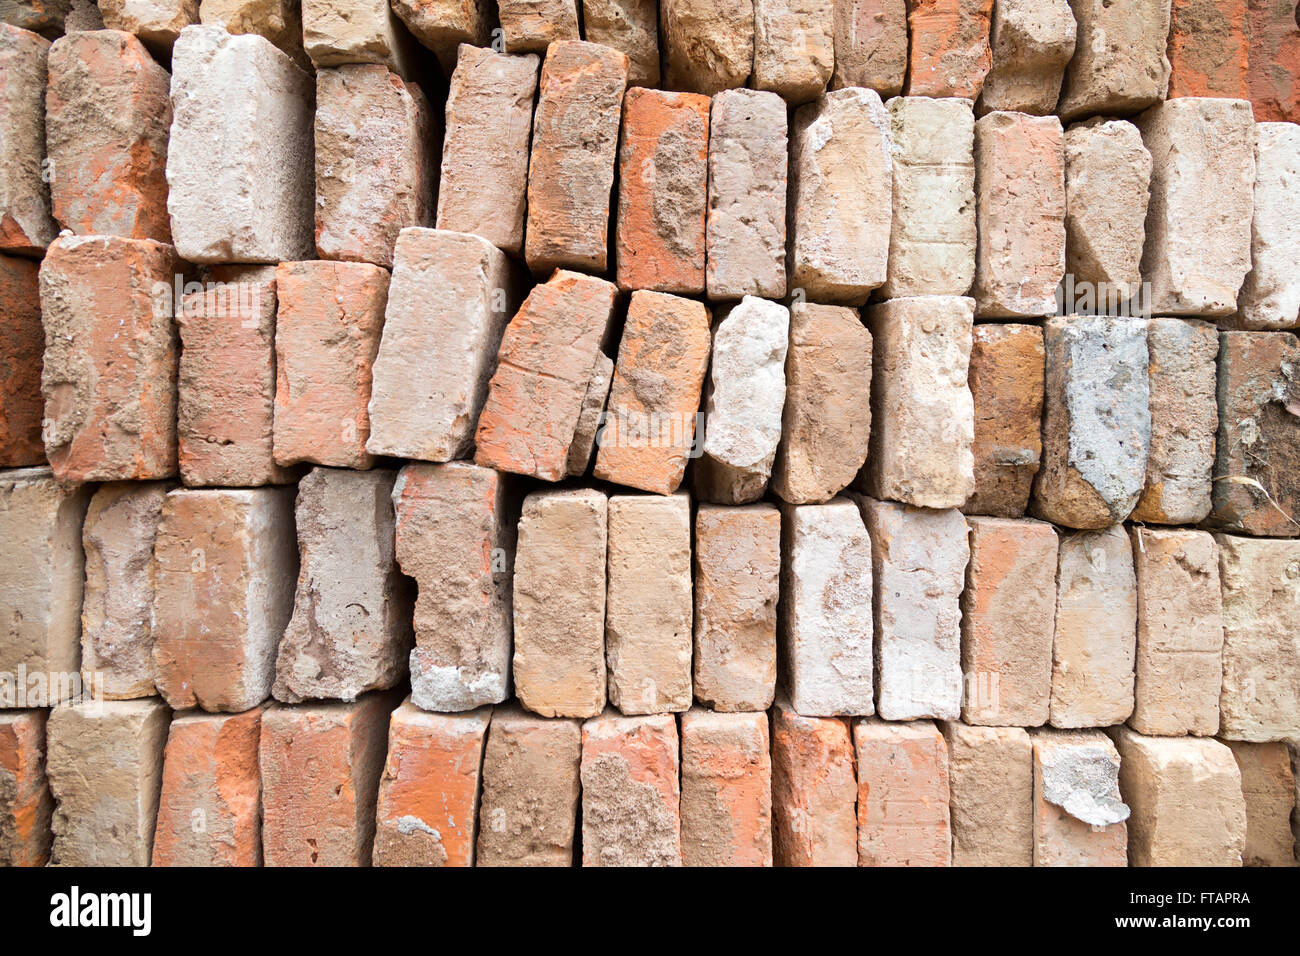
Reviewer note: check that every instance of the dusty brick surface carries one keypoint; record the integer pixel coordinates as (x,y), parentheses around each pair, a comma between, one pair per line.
(26,227)
(532,25)
(903,794)
(1032,41)
(1274,53)
(990,772)
(950,53)
(157,22)
(870,41)
(339,32)
(631,27)
(794,47)
(726,807)
(447,26)
(38,16)
(22,352)
(814,791)
(708,45)
(1078,815)
(1119,64)
(25,801)
(1209,48)
(1270,296)
(591,417)
(280,21)
(1269,787)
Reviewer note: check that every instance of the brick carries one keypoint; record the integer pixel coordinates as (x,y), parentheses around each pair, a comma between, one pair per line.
(1119,64)
(1006,385)
(571,168)
(338,32)
(1007,612)
(1020,205)
(326,339)
(870,40)
(455,537)
(157,22)
(25,801)
(22,351)
(1274,53)
(662,191)
(1260,701)
(726,806)
(814,792)
(745,402)
(991,776)
(104,763)
(484,183)
(918,568)
(38,16)
(1258,445)
(1032,42)
(933,235)
(529,805)
(41,580)
(651,413)
(1078,815)
(260,163)
(445,26)
(1268,787)
(448,305)
(531,26)
(630,792)
(748,173)
(110,397)
(631,27)
(26,227)
(648,603)
(224,563)
(1196,255)
(1270,295)
(922,413)
(1186,800)
(1096,421)
(590,418)
(1209,48)
(320,766)
(226,385)
(950,53)
(794,47)
(826,422)
(825,609)
(108,174)
(280,21)
(428,804)
(1107,184)
(903,794)
(1184,417)
(118,537)
(374,162)
(841,187)
(1094,646)
(559,603)
(1179,633)
(209,808)
(707,45)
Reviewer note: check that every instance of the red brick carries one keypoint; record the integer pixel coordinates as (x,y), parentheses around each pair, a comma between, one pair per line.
(25,802)
(726,789)
(1209,48)
(1274,60)
(25,224)
(814,793)
(950,53)
(22,347)
(902,794)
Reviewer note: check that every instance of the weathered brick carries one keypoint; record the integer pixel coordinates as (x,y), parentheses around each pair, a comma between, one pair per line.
(708,45)
(1096,421)
(1119,63)
(648,603)
(590,418)
(1268,787)
(794,47)
(224,563)
(630,792)
(922,413)
(1179,633)
(559,603)
(107,115)
(26,227)
(1032,42)
(1096,630)
(338,32)
(374,162)
(903,794)
(870,40)
(445,26)
(1078,815)
(448,304)
(1186,800)
(631,27)
(571,169)
(991,775)
(259,161)
(826,423)
(918,567)
(933,236)
(104,761)
(209,807)
(280,21)
(484,183)
(748,171)
(529,805)
(841,194)
(22,351)
(1274,56)
(531,26)
(428,804)
(455,536)
(814,793)
(1020,202)
(1006,385)
(726,804)
(544,366)
(39,16)
(109,374)
(825,609)
(320,766)
(1209,48)
(326,339)
(157,22)
(25,801)
(651,414)
(1270,295)
(950,53)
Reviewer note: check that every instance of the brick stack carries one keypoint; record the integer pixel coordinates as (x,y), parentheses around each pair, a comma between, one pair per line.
(798,434)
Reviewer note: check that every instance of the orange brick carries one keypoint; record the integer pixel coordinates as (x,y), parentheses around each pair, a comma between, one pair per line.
(726,789)
(1274,60)
(22,345)
(950,53)
(902,794)
(1209,48)
(1076,774)
(209,812)
(991,781)
(662,191)
(814,793)
(429,793)
(25,224)
(25,802)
